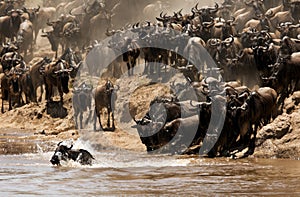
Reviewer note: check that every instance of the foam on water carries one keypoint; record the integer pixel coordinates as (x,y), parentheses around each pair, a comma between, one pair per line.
(103,159)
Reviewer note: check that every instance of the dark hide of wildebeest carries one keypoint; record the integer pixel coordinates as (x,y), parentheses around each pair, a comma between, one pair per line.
(64,153)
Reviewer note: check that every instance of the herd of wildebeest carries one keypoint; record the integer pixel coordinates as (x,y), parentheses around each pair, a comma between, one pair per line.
(255,45)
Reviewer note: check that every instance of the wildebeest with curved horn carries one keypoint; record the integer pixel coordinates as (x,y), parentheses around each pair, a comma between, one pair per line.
(10,24)
(56,74)
(64,153)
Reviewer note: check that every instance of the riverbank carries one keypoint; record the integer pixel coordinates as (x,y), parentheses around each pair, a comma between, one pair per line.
(33,128)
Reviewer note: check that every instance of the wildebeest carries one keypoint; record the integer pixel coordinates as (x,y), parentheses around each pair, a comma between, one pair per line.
(56,74)
(130,51)
(25,37)
(10,60)
(26,86)
(10,24)
(104,98)
(37,77)
(11,88)
(257,110)
(41,17)
(54,40)
(82,101)
(173,126)
(64,153)
(73,60)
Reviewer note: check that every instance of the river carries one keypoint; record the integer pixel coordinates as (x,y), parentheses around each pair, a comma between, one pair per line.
(117,173)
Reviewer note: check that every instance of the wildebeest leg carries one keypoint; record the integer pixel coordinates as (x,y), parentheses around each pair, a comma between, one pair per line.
(76,116)
(252,141)
(60,94)
(2,109)
(145,66)
(99,117)
(113,121)
(128,67)
(89,117)
(151,66)
(108,117)
(9,103)
(42,92)
(133,63)
(80,119)
(48,92)
(36,32)
(95,119)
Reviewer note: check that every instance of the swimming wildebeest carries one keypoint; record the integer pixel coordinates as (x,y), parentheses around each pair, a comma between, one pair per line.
(65,153)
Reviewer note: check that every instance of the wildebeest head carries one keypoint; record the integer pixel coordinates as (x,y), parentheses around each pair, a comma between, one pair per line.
(32,12)
(8,47)
(74,61)
(15,17)
(61,154)
(63,73)
(54,40)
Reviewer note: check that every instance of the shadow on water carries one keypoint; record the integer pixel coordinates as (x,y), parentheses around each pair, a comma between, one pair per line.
(56,110)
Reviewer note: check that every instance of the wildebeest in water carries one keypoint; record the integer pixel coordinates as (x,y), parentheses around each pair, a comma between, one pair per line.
(65,153)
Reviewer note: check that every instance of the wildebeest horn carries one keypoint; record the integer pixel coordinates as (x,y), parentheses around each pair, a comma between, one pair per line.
(172,84)
(229,40)
(240,54)
(295,26)
(59,143)
(195,105)
(181,68)
(161,16)
(159,19)
(243,107)
(270,13)
(180,12)
(247,2)
(70,147)
(10,11)
(190,66)
(263,47)
(20,12)
(194,13)
(215,9)
(196,7)
(213,42)
(199,103)
(108,33)
(70,12)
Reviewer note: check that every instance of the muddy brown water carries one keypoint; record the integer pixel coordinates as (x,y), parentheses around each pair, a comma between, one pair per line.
(120,172)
